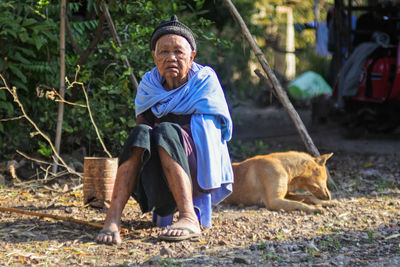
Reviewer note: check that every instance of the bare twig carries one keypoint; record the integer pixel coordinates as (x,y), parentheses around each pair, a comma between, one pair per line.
(54,95)
(12,119)
(48,163)
(13,92)
(46,172)
(34,159)
(72,84)
(43,181)
(13,172)
(96,38)
(98,34)
(63,193)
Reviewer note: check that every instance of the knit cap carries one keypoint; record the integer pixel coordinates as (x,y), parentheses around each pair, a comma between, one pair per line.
(172,26)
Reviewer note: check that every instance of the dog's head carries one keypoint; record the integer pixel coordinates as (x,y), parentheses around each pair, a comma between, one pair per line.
(316,177)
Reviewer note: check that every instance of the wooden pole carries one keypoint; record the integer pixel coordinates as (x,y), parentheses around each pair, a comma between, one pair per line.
(316,18)
(60,116)
(279,91)
(117,41)
(337,56)
(55,217)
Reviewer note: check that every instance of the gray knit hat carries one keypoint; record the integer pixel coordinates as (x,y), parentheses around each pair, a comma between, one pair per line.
(172,26)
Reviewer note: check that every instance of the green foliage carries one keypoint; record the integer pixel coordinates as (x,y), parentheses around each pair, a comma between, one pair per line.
(330,242)
(29,56)
(44,149)
(240,150)
(230,54)
(263,245)
(29,45)
(371,236)
(29,41)
(107,79)
(271,256)
(383,184)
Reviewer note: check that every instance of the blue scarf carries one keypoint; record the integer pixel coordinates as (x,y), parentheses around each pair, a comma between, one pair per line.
(211,124)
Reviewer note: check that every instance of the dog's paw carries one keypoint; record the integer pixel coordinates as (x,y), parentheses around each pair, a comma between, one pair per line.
(318,210)
(329,203)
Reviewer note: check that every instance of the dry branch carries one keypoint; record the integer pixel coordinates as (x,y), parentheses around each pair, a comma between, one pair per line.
(54,95)
(13,92)
(63,193)
(75,82)
(57,97)
(12,119)
(33,159)
(46,179)
(55,217)
(98,34)
(279,91)
(117,41)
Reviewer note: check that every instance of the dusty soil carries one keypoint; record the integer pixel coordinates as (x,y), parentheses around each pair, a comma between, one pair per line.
(362,229)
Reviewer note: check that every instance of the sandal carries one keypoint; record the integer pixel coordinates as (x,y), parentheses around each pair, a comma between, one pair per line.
(192,234)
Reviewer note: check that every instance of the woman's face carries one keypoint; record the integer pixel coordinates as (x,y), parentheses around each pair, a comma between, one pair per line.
(173,57)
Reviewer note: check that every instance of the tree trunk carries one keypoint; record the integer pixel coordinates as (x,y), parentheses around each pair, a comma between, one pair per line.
(63,9)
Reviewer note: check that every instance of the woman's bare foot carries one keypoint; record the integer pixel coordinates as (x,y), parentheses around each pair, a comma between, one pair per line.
(110,234)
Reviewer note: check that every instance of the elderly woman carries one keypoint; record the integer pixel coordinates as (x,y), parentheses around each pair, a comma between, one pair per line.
(178,149)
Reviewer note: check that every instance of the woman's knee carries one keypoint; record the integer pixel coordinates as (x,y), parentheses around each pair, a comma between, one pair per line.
(140,128)
(139,132)
(138,139)
(165,130)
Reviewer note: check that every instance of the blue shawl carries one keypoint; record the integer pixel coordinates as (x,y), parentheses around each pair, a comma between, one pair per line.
(211,124)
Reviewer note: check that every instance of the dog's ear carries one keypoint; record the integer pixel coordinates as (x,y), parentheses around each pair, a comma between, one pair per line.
(321,160)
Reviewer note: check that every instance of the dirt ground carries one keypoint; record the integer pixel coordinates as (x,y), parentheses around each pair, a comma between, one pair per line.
(362,229)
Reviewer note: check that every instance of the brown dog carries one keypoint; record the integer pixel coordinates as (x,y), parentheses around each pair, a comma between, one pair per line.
(270,180)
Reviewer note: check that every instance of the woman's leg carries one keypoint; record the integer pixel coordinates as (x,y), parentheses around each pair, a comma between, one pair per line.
(181,188)
(125,183)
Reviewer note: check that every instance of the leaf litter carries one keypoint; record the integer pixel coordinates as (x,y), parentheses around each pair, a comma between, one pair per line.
(362,229)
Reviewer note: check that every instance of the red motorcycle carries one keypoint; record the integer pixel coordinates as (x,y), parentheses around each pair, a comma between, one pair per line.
(376,105)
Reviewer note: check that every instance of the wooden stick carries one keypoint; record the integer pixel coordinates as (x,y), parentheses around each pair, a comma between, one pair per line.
(49,163)
(55,217)
(71,85)
(265,79)
(42,181)
(33,159)
(12,119)
(279,91)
